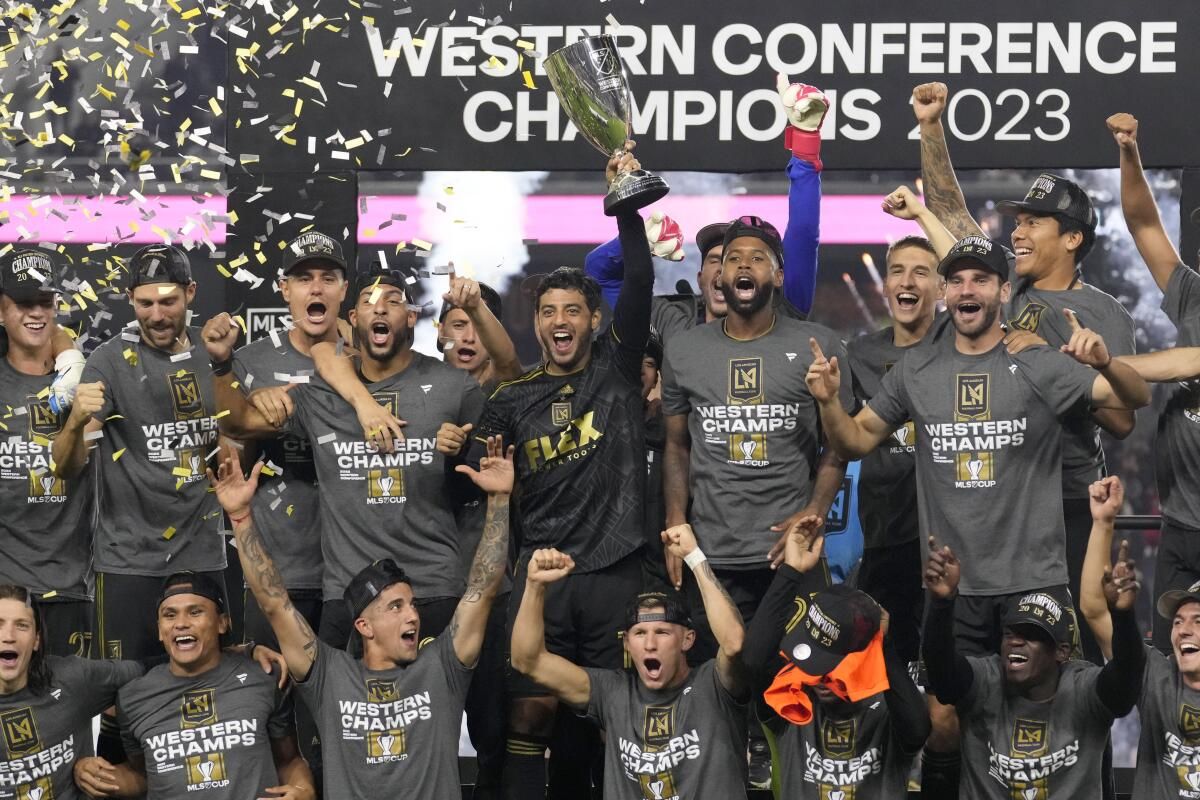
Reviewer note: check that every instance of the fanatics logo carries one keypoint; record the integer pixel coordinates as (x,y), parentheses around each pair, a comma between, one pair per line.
(241,676)
(425,387)
(790,357)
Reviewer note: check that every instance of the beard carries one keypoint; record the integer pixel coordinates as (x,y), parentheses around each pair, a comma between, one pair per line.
(402,338)
(747,308)
(988,312)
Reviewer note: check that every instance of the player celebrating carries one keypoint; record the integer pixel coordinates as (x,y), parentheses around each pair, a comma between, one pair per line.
(389,721)
(672,731)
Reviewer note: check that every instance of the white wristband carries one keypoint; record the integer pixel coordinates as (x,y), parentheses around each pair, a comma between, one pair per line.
(695,559)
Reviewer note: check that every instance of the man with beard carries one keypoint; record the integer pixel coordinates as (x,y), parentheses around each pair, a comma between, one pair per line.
(146,396)
(744,461)
(207,720)
(1177,438)
(1055,230)
(45,531)
(374,503)
(577,423)
(988,446)
(1035,722)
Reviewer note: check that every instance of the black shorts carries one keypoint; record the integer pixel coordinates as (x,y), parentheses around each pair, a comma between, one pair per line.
(892,576)
(68,627)
(127,615)
(585,617)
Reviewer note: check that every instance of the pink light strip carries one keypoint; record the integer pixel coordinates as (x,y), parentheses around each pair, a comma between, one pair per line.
(550,219)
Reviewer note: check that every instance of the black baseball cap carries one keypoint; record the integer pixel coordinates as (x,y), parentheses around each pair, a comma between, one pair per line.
(837,621)
(673,611)
(1048,609)
(711,236)
(189,582)
(159,263)
(27,274)
(1170,601)
(313,246)
(1053,194)
(377,275)
(370,582)
(654,348)
(758,228)
(979,249)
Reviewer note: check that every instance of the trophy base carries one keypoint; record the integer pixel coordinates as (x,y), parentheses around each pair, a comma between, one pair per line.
(634,190)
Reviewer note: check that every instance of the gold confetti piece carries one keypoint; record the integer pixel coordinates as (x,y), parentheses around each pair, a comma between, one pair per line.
(119,39)
(216,108)
(210,174)
(165,288)
(418,42)
(44,393)
(270,473)
(220,414)
(131,356)
(181,472)
(49,594)
(290,509)
(524,45)
(42,440)
(190,13)
(235,385)
(118,454)
(168,533)
(241,322)
(528,76)
(421,243)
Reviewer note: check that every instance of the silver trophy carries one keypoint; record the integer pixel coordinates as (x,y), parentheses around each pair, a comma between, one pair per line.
(589,79)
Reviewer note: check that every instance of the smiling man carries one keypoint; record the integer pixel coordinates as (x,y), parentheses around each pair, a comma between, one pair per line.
(207,720)
(1035,722)
(372,503)
(145,404)
(673,732)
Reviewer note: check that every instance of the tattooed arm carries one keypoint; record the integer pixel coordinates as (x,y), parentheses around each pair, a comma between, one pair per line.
(297,641)
(723,616)
(943,196)
(494,476)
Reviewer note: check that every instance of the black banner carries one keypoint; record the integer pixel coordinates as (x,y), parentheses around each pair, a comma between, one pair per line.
(458,85)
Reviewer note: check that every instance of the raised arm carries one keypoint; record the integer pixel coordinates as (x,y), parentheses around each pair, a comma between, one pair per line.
(494,476)
(568,682)
(297,641)
(908,714)
(950,676)
(852,437)
(337,369)
(808,521)
(631,315)
(1164,366)
(244,420)
(805,107)
(1120,681)
(69,450)
(724,619)
(676,471)
(464,293)
(943,195)
(1137,202)
(607,266)
(1106,497)
(1117,385)
(903,203)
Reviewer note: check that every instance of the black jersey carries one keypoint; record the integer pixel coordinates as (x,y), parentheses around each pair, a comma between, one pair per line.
(580,438)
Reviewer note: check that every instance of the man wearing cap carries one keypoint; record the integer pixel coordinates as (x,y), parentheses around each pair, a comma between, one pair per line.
(805,107)
(1177,438)
(1034,721)
(389,721)
(834,688)
(375,503)
(207,720)
(45,530)
(1055,230)
(672,731)
(744,462)
(988,445)
(149,415)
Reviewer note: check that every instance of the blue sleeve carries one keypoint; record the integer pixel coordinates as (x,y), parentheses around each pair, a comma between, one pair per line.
(607,266)
(803,234)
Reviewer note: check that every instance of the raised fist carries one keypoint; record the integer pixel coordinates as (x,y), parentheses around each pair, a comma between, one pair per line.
(929,101)
(1124,128)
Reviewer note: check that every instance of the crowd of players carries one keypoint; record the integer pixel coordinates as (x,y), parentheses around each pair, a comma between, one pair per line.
(665,473)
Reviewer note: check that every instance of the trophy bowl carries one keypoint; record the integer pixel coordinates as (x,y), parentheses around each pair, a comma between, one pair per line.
(589,79)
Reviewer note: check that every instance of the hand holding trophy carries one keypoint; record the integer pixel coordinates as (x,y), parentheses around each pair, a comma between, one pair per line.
(589,79)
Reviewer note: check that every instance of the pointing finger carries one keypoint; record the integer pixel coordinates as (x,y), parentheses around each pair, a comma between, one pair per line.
(816,349)
(1072,320)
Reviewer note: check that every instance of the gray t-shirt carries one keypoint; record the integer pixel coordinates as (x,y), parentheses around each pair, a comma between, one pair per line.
(45,530)
(755,430)
(400,505)
(669,744)
(1168,754)
(286,509)
(208,733)
(887,484)
(156,514)
(389,733)
(1177,444)
(1041,312)
(854,752)
(45,734)
(673,314)
(1011,745)
(989,459)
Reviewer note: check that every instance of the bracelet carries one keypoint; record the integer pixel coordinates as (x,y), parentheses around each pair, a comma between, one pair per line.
(695,559)
(239,520)
(220,368)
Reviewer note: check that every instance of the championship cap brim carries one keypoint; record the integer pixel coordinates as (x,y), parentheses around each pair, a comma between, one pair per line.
(1169,602)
